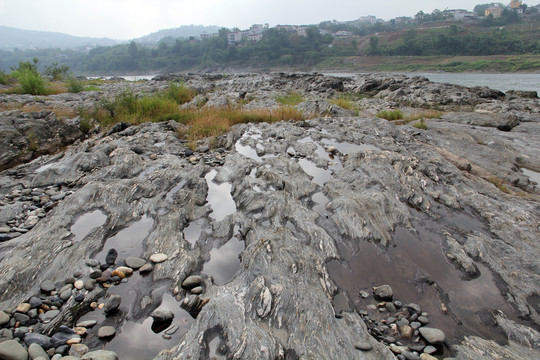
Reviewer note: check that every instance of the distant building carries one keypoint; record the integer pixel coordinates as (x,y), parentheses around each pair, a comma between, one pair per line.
(515,4)
(254,33)
(494,11)
(299,30)
(234,37)
(459,14)
(368,19)
(206,36)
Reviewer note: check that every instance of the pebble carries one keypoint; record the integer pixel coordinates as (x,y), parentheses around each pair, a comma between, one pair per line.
(86,323)
(47,286)
(12,350)
(430,349)
(406,331)
(363,294)
(432,335)
(100,355)
(23,308)
(42,340)
(162,316)
(112,304)
(197,290)
(49,315)
(364,346)
(396,349)
(414,308)
(111,256)
(79,284)
(95,274)
(192,281)
(78,350)
(90,284)
(4,318)
(79,330)
(92,262)
(416,325)
(146,268)
(158,258)
(106,331)
(66,294)
(425,356)
(423,320)
(383,292)
(36,351)
(134,262)
(125,270)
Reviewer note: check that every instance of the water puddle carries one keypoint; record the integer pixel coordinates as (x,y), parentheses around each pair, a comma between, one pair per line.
(320,200)
(193,231)
(532,175)
(410,268)
(319,175)
(224,262)
(170,195)
(347,147)
(86,223)
(219,197)
(247,151)
(138,341)
(129,241)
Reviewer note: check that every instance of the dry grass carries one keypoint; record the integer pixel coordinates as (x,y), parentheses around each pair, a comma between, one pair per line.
(60,112)
(499,183)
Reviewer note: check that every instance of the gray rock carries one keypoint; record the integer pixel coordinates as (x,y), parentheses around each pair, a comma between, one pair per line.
(112,304)
(430,349)
(47,286)
(161,316)
(100,355)
(35,351)
(42,340)
(49,315)
(86,323)
(432,335)
(158,258)
(35,302)
(106,331)
(364,346)
(12,350)
(78,350)
(192,281)
(135,263)
(4,318)
(383,292)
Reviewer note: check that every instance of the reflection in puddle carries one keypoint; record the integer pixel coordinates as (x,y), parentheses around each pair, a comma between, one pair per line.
(170,195)
(86,223)
(129,241)
(319,175)
(193,231)
(219,197)
(320,201)
(409,268)
(137,341)
(224,262)
(532,175)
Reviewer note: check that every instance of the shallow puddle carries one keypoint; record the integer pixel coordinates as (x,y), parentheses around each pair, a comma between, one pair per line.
(319,175)
(219,197)
(320,201)
(129,241)
(409,267)
(137,341)
(193,231)
(86,223)
(224,262)
(532,175)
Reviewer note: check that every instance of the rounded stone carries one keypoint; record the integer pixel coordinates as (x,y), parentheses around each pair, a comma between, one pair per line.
(23,308)
(106,331)
(161,316)
(146,268)
(4,318)
(430,349)
(92,262)
(112,304)
(432,335)
(47,286)
(66,294)
(35,351)
(197,290)
(425,356)
(90,284)
(49,315)
(86,323)
(192,281)
(79,284)
(158,258)
(364,346)
(78,350)
(134,262)
(423,320)
(35,302)
(125,270)
(12,350)
(100,355)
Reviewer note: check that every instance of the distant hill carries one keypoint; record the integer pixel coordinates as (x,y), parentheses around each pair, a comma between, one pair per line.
(184,31)
(30,39)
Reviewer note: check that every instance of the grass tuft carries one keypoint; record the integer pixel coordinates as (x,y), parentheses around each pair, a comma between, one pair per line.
(421,124)
(290,99)
(390,114)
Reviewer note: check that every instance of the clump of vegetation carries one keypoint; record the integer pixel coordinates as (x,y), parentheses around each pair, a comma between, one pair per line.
(179,93)
(5,79)
(499,183)
(56,72)
(390,114)
(30,80)
(421,124)
(425,114)
(74,85)
(290,99)
(344,103)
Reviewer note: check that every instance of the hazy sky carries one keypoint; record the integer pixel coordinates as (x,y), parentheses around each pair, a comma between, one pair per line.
(127,19)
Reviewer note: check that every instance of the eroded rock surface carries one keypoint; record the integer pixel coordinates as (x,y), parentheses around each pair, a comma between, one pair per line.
(333,192)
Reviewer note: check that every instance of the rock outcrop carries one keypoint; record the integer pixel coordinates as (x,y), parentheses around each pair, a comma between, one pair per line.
(259,235)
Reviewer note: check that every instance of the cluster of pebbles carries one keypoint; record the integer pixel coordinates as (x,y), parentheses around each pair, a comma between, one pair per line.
(28,206)
(402,327)
(37,329)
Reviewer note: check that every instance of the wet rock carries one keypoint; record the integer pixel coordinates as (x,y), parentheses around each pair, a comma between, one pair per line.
(192,281)
(135,263)
(432,335)
(35,302)
(110,259)
(146,268)
(78,350)
(105,332)
(42,340)
(112,304)
(383,292)
(12,350)
(162,316)
(127,271)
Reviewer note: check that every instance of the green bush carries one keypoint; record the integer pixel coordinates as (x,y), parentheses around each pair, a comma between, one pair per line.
(56,72)
(30,81)
(5,79)
(74,85)
(179,92)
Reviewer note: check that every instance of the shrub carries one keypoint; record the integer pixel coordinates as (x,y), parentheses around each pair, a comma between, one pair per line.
(5,79)
(179,92)
(291,99)
(74,85)
(390,114)
(30,81)
(56,72)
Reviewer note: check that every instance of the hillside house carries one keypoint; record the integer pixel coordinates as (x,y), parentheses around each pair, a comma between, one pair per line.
(235,37)
(515,4)
(206,36)
(299,30)
(494,11)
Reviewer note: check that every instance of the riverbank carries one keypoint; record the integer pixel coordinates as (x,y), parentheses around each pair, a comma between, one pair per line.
(397,218)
